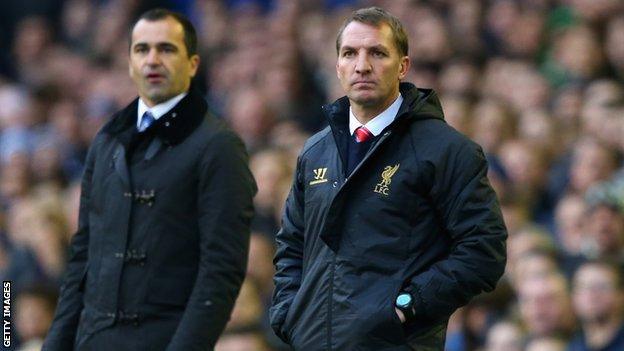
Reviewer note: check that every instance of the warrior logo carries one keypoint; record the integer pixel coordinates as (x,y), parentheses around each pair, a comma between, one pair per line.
(319,176)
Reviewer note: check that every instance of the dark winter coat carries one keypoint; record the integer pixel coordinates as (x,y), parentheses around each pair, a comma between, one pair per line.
(163,236)
(417,215)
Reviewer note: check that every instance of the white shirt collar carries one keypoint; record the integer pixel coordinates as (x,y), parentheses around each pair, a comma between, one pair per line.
(379,122)
(160,109)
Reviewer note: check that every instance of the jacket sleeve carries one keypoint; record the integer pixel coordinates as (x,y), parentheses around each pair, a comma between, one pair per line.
(470,214)
(225,194)
(62,333)
(288,257)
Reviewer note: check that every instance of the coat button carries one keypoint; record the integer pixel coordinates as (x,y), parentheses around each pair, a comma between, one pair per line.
(167,124)
(335,184)
(174,115)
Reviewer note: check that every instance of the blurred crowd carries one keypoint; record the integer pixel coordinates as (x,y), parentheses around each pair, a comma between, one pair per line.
(539,84)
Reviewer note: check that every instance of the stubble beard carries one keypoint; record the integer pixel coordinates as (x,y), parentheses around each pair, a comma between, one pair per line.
(365,101)
(158,94)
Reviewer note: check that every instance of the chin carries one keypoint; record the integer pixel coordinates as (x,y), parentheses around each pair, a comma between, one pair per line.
(362,95)
(158,96)
(364,100)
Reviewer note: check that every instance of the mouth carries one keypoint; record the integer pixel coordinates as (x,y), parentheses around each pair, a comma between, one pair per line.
(154,77)
(363,83)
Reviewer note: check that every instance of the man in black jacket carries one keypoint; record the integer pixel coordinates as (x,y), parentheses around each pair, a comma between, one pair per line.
(391,224)
(166,204)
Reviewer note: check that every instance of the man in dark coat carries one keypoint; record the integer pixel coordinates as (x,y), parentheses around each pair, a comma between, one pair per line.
(166,204)
(391,224)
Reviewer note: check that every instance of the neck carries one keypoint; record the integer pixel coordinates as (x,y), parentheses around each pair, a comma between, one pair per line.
(151,102)
(599,333)
(366,113)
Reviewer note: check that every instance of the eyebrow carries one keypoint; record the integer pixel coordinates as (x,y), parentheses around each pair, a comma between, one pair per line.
(379,47)
(164,44)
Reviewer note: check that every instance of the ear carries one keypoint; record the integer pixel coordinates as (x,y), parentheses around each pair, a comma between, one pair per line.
(404,66)
(337,71)
(194,64)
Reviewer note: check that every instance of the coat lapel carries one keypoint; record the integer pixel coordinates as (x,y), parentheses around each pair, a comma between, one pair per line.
(153,148)
(121,167)
(170,129)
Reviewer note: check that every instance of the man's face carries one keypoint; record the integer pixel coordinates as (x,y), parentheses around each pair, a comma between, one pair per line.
(369,65)
(596,295)
(605,228)
(33,317)
(544,306)
(159,63)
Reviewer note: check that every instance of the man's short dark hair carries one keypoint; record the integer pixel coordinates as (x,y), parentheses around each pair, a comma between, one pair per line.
(45,293)
(608,264)
(376,16)
(190,35)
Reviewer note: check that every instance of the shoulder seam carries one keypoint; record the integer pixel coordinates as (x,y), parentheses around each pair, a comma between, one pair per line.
(315,139)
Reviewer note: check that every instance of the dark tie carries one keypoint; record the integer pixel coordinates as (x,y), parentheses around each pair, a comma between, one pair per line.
(362,134)
(146,121)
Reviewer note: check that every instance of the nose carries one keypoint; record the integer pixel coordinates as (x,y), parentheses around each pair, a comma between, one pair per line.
(153,58)
(362,65)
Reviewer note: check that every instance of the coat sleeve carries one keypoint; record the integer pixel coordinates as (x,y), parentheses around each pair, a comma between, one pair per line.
(288,257)
(225,194)
(62,333)
(470,214)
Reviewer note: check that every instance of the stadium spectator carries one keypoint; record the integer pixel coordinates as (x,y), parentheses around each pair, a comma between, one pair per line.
(504,335)
(604,231)
(598,296)
(545,306)
(34,310)
(546,344)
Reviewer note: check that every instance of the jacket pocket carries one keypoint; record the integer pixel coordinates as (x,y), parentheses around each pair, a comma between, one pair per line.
(430,338)
(387,325)
(276,319)
(290,320)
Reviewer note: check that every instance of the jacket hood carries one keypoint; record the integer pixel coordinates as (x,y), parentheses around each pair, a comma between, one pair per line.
(418,104)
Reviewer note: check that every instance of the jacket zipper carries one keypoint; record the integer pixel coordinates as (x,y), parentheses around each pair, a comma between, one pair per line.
(366,156)
(369,152)
(329,302)
(333,262)
(346,180)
